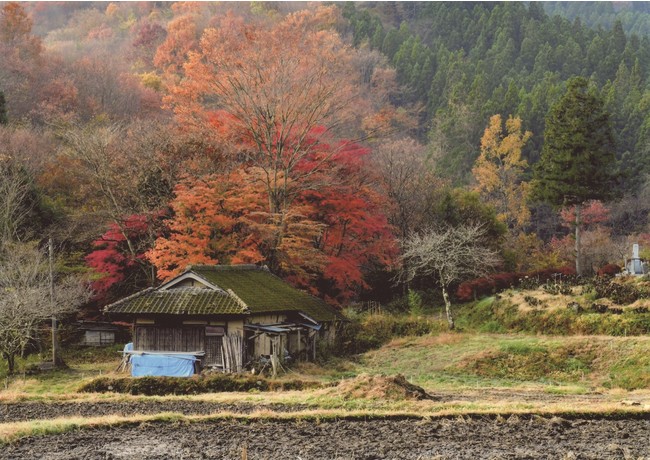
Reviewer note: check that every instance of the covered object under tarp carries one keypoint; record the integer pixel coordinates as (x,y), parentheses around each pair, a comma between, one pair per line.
(162,365)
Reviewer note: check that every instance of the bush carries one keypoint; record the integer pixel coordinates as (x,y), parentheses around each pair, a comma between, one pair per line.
(481,287)
(489,315)
(620,293)
(367,332)
(608,270)
(159,386)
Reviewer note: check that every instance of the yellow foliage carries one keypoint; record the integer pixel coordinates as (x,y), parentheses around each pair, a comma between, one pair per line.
(499,168)
(151,80)
(529,253)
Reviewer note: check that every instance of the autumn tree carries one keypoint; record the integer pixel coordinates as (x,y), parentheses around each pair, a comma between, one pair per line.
(499,169)
(578,161)
(125,171)
(16,30)
(407,179)
(448,255)
(277,89)
(119,272)
(182,37)
(20,54)
(328,239)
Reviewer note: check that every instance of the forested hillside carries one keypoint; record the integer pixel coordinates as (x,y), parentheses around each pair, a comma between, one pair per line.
(463,62)
(634,16)
(314,139)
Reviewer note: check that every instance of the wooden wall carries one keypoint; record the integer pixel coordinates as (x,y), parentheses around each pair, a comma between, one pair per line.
(169,338)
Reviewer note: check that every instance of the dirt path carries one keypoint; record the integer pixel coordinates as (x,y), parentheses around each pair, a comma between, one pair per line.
(476,438)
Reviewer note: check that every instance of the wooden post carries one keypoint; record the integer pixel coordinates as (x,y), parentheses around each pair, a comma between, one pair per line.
(298,347)
(56,359)
(274,357)
(578,246)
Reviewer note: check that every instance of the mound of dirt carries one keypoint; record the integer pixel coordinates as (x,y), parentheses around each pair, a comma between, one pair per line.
(393,388)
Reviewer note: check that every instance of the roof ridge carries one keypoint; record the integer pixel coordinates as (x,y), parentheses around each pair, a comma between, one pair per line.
(131,297)
(233,267)
(192,289)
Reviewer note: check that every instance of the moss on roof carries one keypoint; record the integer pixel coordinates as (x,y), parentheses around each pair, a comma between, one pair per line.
(181,301)
(264,292)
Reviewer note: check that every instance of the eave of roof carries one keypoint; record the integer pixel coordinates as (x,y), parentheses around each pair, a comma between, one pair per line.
(179,301)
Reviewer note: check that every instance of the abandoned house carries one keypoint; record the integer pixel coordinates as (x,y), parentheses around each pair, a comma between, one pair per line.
(226,316)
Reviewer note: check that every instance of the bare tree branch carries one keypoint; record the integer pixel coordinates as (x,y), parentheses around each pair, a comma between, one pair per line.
(448,255)
(25,298)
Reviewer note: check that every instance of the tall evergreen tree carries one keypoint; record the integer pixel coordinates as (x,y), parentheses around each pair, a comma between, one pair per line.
(578,161)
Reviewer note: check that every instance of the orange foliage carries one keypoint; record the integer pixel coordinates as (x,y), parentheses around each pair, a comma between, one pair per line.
(329,237)
(270,90)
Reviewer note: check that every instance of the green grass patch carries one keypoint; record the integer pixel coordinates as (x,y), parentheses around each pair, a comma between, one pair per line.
(458,361)
(368,331)
(492,315)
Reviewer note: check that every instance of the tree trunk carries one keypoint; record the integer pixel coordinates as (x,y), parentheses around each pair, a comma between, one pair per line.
(450,318)
(11,362)
(578,246)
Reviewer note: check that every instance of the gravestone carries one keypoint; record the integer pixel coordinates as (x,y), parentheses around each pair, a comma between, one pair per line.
(635,266)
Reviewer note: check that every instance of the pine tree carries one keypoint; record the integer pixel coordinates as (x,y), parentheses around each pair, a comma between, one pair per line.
(578,161)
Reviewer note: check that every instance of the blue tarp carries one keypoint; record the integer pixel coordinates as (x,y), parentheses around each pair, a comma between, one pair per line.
(162,365)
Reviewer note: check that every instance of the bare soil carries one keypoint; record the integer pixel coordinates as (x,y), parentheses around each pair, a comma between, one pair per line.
(515,437)
(15,412)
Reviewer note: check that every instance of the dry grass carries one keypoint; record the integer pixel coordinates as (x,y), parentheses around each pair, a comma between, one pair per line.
(377,387)
(548,301)
(11,432)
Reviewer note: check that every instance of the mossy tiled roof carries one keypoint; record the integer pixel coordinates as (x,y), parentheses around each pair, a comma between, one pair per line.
(263,292)
(181,301)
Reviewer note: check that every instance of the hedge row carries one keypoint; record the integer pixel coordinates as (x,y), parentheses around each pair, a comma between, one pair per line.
(159,386)
(480,287)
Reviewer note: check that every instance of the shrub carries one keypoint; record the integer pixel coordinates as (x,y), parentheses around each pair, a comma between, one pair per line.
(372,331)
(608,270)
(502,316)
(481,287)
(415,303)
(159,386)
(620,293)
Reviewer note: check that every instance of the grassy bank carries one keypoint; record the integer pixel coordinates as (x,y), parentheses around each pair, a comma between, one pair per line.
(493,360)
(550,315)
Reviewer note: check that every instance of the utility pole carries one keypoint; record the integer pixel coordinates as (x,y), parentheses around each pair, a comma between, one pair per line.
(56,359)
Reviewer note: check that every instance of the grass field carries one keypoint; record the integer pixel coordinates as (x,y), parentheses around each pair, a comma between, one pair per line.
(438,362)
(467,373)
(458,361)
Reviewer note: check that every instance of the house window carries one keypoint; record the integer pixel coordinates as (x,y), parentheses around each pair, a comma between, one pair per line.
(215,331)
(214,345)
